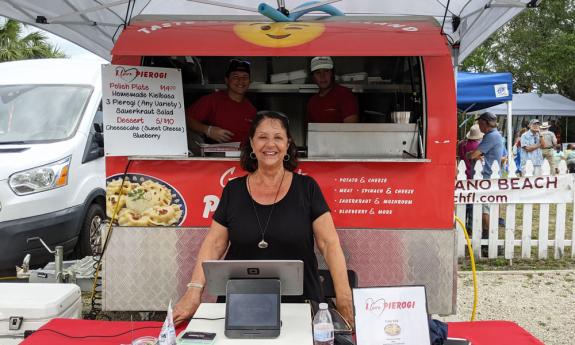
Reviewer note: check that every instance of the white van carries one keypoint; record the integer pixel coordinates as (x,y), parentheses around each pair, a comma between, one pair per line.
(52,179)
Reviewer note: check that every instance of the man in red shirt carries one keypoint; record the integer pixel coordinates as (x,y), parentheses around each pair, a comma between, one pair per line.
(225,116)
(333,102)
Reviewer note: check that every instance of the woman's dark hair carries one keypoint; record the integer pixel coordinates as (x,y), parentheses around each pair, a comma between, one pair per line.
(251,165)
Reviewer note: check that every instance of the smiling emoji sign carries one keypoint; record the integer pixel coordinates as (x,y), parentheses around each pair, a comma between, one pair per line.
(279,35)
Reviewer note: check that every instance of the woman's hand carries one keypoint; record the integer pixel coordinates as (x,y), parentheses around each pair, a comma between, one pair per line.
(344,306)
(187,305)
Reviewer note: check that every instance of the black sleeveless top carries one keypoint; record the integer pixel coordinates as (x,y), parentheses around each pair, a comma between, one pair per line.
(289,234)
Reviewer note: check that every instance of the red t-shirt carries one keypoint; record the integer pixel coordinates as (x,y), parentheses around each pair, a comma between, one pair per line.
(335,106)
(218,109)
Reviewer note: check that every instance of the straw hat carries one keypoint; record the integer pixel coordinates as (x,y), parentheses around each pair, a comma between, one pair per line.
(474,133)
(544,125)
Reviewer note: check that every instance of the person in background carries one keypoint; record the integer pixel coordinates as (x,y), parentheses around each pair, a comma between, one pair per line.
(489,150)
(517,151)
(491,147)
(333,102)
(225,116)
(531,148)
(556,129)
(558,156)
(469,144)
(570,158)
(504,156)
(548,144)
(272,213)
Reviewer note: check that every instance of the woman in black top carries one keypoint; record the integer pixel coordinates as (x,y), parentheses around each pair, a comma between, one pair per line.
(272,214)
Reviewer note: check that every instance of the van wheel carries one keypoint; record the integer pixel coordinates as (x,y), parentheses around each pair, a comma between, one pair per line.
(90,240)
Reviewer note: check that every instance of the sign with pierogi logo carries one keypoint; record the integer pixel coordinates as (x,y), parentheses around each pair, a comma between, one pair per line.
(391,315)
(144,111)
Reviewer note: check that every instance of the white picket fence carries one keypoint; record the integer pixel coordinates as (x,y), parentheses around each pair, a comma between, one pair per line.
(528,239)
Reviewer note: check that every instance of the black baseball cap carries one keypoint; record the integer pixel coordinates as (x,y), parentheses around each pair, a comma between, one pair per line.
(238,65)
(487,116)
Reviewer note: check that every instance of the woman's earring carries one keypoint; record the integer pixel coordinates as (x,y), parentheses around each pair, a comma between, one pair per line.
(287,157)
(252,155)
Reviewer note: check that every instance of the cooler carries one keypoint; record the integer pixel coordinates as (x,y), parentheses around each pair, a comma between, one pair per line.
(25,306)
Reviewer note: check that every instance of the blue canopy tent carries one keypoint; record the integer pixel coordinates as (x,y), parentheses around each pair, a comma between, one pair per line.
(482,90)
(477,91)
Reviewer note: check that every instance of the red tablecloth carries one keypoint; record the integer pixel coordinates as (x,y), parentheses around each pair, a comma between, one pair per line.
(492,333)
(60,331)
(73,331)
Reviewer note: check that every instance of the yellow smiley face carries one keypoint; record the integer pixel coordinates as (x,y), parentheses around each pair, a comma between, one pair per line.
(279,35)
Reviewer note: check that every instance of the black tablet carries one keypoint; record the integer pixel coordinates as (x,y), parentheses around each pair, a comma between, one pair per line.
(253,308)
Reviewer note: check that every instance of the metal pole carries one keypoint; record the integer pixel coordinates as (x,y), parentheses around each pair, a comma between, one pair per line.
(59,263)
(509,132)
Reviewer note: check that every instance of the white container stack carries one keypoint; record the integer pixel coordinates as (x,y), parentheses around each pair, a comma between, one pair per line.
(297,77)
(294,77)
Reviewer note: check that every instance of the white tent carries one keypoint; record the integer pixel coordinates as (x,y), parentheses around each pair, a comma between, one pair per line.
(96,24)
(533,104)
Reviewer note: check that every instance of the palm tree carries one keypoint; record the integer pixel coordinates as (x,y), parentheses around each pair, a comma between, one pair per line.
(31,46)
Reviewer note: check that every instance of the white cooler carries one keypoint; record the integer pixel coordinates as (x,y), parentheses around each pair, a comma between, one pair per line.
(27,306)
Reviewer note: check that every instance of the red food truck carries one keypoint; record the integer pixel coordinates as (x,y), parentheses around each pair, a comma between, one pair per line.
(387,179)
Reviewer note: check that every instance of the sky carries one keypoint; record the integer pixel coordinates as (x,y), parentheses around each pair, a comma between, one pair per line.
(70,49)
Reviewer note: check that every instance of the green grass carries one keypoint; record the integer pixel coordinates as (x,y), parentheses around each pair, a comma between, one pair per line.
(535,229)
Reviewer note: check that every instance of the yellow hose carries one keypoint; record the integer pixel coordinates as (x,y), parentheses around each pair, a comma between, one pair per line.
(472,259)
(8,278)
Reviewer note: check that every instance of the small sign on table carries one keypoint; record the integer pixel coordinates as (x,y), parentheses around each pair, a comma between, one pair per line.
(391,315)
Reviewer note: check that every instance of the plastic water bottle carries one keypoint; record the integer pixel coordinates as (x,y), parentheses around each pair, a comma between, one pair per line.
(322,326)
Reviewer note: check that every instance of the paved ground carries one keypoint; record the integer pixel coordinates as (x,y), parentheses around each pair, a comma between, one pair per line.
(542,302)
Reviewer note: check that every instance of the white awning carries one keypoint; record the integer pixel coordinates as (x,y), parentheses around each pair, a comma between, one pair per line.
(532,104)
(96,24)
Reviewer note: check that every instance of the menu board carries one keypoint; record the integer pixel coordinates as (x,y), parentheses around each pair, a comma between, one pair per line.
(368,195)
(144,111)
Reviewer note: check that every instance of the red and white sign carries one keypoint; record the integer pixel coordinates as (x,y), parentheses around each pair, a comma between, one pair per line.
(391,315)
(518,190)
(143,111)
(361,195)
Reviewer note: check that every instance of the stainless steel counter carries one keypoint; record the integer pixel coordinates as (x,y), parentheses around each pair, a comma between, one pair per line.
(363,140)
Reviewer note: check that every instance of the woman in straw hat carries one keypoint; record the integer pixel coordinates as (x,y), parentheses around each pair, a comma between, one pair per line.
(469,144)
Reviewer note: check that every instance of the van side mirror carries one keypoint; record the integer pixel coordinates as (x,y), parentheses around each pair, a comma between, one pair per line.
(98,127)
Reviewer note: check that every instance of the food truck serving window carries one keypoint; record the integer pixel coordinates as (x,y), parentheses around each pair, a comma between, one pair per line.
(389,90)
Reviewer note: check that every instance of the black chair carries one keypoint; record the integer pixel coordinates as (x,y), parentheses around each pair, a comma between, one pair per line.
(327,282)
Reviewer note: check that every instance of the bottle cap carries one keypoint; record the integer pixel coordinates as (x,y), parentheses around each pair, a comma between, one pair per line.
(323,306)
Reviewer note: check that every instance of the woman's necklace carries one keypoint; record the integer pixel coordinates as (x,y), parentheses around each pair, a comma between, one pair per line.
(263,244)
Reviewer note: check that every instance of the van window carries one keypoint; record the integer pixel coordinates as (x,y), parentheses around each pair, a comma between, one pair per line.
(389,91)
(30,113)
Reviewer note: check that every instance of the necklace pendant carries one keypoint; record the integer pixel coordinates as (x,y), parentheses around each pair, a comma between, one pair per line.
(263,244)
